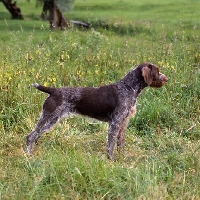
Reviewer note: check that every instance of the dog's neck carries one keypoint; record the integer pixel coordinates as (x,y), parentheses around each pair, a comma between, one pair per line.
(134,81)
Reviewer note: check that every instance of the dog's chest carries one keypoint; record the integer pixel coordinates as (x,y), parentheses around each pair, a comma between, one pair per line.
(132,111)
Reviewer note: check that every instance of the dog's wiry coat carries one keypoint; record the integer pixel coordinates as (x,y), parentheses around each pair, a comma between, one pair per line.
(114,103)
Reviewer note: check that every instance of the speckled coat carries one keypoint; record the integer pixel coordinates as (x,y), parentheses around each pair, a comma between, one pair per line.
(114,103)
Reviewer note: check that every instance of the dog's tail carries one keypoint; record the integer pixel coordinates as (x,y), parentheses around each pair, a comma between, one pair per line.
(42,88)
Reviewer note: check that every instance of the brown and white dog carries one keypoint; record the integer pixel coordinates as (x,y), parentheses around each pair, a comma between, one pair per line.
(114,103)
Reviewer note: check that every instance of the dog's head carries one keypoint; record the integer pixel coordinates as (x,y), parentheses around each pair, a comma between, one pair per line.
(152,76)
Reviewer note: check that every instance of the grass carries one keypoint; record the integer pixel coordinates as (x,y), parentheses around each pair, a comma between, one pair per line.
(161,159)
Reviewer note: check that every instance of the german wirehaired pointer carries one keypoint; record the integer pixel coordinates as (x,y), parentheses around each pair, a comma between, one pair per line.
(114,103)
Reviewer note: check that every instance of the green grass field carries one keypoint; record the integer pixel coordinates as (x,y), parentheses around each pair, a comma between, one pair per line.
(162,150)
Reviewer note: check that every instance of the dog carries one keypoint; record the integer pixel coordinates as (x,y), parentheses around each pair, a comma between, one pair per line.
(114,103)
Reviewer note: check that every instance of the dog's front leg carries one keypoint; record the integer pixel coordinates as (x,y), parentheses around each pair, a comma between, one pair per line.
(121,135)
(113,132)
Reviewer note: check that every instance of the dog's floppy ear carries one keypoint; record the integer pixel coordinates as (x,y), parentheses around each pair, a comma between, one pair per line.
(147,74)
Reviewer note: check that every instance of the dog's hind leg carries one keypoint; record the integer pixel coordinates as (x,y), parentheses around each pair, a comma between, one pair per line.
(46,121)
